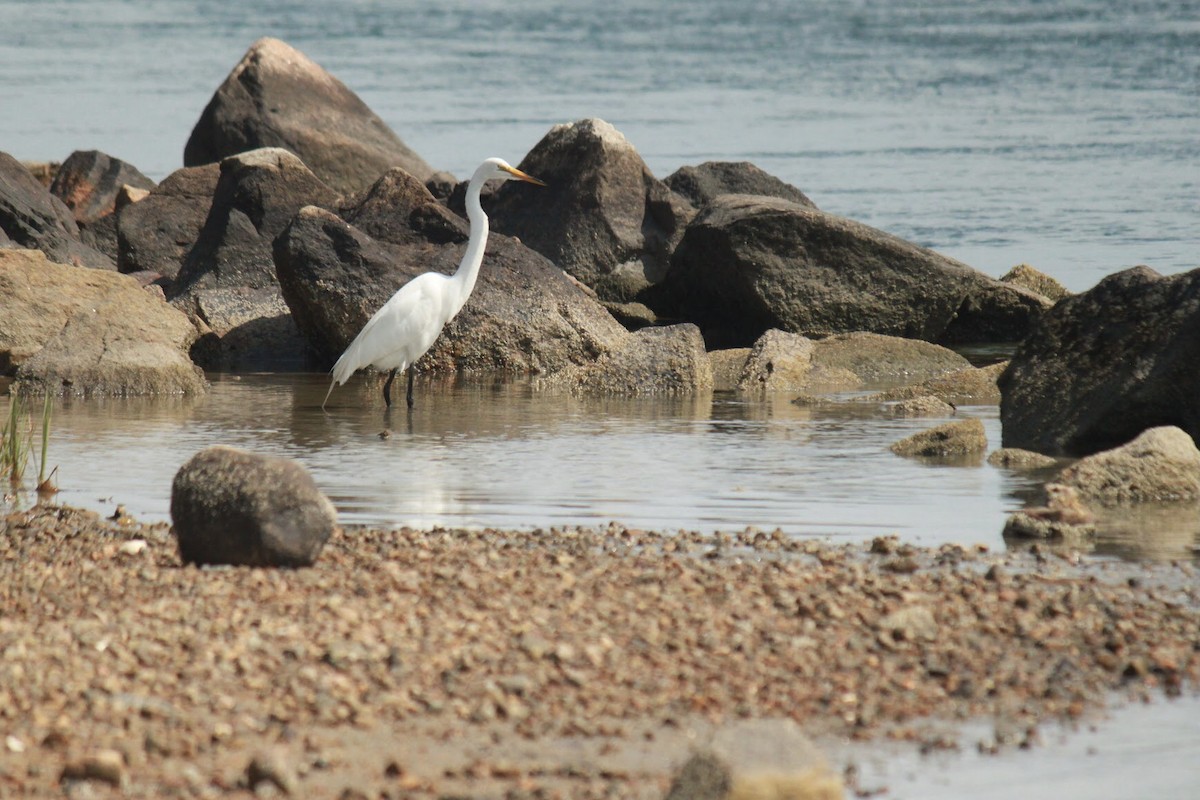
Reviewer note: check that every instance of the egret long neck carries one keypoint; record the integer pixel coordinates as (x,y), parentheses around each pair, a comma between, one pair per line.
(468,270)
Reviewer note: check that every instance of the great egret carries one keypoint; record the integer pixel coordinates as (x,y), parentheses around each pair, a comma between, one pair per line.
(409,323)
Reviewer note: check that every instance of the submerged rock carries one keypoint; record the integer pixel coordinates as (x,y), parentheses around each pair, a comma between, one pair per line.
(667,360)
(951,440)
(229,506)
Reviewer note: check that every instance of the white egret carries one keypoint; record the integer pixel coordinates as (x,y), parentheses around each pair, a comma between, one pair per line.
(409,323)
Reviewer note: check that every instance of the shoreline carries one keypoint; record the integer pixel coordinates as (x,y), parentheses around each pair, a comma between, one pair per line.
(442,656)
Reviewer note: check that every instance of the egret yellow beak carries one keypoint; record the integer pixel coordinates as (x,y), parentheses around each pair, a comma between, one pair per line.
(516,173)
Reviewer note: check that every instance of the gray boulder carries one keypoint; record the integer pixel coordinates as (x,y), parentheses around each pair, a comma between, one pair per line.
(748,263)
(1104,365)
(155,234)
(525,315)
(227,283)
(669,360)
(90,183)
(277,97)
(90,332)
(233,507)
(603,217)
(972,386)
(700,184)
(257,194)
(1160,465)
(32,218)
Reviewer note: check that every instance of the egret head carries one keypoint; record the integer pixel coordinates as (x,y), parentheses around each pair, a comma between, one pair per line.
(500,169)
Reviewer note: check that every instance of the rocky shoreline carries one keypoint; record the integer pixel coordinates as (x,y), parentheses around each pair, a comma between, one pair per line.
(548,663)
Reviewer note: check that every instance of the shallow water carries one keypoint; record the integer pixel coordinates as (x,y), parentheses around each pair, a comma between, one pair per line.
(500,453)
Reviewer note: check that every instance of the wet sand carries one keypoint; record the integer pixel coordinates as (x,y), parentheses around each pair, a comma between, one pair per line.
(556,663)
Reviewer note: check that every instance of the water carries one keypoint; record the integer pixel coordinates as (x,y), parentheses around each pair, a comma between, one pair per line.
(497,453)
(1058,133)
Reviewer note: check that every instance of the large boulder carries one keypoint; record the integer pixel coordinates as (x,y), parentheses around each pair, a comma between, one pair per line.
(257,194)
(156,233)
(32,218)
(227,283)
(277,97)
(89,332)
(525,315)
(669,360)
(90,183)
(750,263)
(712,179)
(603,217)
(1104,365)
(229,506)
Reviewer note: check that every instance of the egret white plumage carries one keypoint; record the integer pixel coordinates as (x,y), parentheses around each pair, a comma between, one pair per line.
(410,322)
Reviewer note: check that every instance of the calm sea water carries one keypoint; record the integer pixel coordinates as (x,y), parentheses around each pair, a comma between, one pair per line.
(1061,133)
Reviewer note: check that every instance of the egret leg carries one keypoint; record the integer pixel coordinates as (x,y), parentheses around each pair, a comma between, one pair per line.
(387,388)
(410,383)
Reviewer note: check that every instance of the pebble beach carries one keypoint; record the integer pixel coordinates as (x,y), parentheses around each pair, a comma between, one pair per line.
(545,663)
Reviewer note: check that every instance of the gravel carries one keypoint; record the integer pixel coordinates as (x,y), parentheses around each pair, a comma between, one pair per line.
(544,663)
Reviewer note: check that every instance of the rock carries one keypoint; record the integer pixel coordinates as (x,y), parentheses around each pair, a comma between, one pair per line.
(32,218)
(1160,465)
(727,366)
(90,332)
(756,758)
(603,217)
(89,181)
(277,97)
(245,329)
(271,766)
(525,315)
(1016,459)
(1103,366)
(778,361)
(908,624)
(746,264)
(632,315)
(1029,278)
(107,766)
(229,506)
(967,386)
(257,194)
(873,358)
(927,406)
(781,361)
(667,360)
(1063,518)
(156,233)
(701,184)
(951,440)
